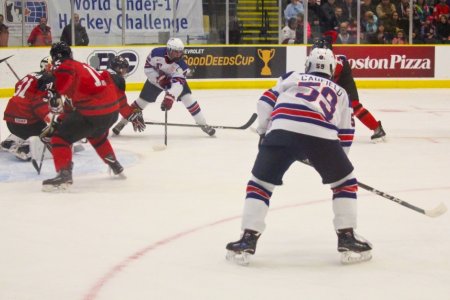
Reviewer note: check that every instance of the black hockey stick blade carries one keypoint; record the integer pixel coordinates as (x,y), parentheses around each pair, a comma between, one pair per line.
(245,126)
(435,212)
(36,166)
(3,59)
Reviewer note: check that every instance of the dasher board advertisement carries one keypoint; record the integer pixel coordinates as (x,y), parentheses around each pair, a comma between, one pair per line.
(236,62)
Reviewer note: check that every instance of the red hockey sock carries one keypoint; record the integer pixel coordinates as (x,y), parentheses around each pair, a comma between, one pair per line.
(62,153)
(102,146)
(364,115)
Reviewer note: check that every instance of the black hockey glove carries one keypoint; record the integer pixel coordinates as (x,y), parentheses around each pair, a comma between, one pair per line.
(45,82)
(55,102)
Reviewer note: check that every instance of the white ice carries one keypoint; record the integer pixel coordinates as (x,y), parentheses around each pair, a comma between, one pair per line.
(161,233)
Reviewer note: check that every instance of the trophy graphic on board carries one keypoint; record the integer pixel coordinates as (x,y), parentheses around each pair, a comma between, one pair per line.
(266,56)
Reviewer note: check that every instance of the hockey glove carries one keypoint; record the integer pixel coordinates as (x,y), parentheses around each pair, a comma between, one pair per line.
(137,120)
(55,102)
(167,102)
(49,130)
(164,81)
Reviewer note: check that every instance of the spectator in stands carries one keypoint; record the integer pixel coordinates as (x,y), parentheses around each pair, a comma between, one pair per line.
(443,30)
(399,38)
(349,7)
(81,36)
(288,33)
(416,37)
(314,19)
(371,27)
(428,31)
(41,34)
(339,13)
(403,10)
(300,29)
(328,20)
(385,10)
(382,37)
(292,10)
(420,13)
(343,36)
(235,33)
(4,33)
(352,27)
(441,8)
(391,26)
(367,5)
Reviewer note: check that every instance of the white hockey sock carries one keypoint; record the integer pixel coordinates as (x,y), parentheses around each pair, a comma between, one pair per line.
(344,202)
(256,204)
(194,109)
(141,103)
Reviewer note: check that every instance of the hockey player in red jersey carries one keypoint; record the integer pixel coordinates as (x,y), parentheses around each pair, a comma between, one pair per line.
(26,113)
(344,77)
(304,117)
(118,69)
(166,72)
(90,108)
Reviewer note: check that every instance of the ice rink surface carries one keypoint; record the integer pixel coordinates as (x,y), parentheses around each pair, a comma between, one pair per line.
(161,233)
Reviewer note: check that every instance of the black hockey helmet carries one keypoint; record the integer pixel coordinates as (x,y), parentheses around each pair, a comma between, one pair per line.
(119,64)
(323,43)
(60,51)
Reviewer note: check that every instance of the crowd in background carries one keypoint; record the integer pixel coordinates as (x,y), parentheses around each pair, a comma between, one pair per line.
(381,22)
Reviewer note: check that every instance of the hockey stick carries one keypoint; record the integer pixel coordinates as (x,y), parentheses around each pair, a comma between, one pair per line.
(165,127)
(435,212)
(9,66)
(245,126)
(34,162)
(163,147)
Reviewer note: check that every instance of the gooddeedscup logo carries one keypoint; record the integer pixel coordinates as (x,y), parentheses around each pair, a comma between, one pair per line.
(99,59)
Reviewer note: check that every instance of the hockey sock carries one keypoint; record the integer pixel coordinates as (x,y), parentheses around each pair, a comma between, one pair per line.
(364,115)
(141,103)
(62,153)
(256,204)
(102,146)
(194,109)
(344,202)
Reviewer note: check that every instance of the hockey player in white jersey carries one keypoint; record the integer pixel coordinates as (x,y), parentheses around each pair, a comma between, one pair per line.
(166,71)
(304,117)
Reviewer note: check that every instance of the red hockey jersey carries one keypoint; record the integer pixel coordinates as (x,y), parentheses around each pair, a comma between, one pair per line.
(27,106)
(91,93)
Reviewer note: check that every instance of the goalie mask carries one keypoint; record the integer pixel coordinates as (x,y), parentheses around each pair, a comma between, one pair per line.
(119,65)
(46,64)
(61,51)
(321,61)
(175,49)
(323,43)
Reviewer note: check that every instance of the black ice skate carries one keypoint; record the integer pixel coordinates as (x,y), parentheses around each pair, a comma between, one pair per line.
(378,134)
(119,126)
(354,249)
(208,130)
(61,182)
(114,165)
(241,250)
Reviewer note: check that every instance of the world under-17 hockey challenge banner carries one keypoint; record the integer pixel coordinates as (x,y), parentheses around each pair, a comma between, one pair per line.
(105,17)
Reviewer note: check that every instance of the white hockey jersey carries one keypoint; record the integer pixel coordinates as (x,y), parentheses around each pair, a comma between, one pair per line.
(307,104)
(157,64)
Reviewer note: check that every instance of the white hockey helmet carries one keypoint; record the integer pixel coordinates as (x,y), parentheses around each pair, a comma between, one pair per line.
(46,64)
(175,49)
(321,61)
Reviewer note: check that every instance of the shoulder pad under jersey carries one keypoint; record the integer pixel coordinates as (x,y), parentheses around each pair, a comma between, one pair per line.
(161,51)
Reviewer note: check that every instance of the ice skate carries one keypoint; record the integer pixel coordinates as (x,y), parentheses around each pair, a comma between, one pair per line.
(240,251)
(119,126)
(61,182)
(208,130)
(378,135)
(353,248)
(114,166)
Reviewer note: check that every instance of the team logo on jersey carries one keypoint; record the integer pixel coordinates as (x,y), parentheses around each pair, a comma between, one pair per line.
(99,59)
